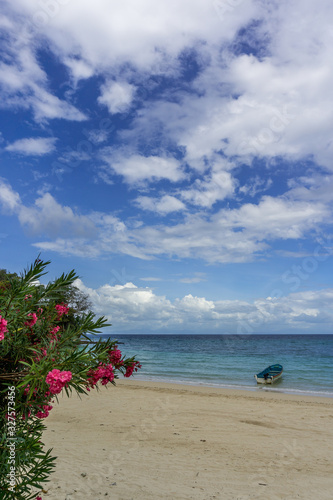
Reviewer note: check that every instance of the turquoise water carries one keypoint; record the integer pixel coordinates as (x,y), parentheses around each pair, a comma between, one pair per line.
(232,360)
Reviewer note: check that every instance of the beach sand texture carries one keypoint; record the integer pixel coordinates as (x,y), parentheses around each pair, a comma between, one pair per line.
(147,440)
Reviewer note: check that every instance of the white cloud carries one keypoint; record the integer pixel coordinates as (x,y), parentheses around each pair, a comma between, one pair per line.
(50,218)
(196,305)
(275,217)
(46,216)
(79,68)
(277,103)
(312,188)
(229,235)
(256,186)
(133,304)
(281,101)
(238,235)
(9,199)
(163,206)
(145,35)
(117,96)
(48,106)
(79,247)
(137,169)
(207,191)
(136,309)
(23,83)
(33,146)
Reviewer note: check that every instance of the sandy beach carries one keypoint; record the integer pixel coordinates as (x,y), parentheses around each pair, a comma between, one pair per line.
(147,440)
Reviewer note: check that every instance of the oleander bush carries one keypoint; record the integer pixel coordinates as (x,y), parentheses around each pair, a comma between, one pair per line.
(46,348)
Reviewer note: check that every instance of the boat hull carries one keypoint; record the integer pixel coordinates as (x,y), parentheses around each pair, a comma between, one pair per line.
(269,375)
(261,380)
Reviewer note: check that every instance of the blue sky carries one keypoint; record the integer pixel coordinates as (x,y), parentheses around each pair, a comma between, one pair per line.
(177,154)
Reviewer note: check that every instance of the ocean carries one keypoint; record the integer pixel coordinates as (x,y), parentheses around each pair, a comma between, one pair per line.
(230,361)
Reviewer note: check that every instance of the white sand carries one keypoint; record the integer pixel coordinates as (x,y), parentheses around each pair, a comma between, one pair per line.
(148,441)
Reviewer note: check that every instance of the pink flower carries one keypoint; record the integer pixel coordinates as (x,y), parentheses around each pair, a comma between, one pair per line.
(3,328)
(54,331)
(45,413)
(57,380)
(62,309)
(27,297)
(103,372)
(115,357)
(31,322)
(39,498)
(131,368)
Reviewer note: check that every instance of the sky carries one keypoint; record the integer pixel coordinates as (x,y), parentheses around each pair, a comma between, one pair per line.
(177,155)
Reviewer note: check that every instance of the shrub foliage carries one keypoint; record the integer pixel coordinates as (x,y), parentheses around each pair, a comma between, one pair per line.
(46,347)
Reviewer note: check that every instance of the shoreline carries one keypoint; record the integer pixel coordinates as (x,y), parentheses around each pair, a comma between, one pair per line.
(255,388)
(148,440)
(244,391)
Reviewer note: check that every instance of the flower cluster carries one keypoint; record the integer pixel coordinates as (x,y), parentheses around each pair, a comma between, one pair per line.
(31,322)
(61,309)
(115,357)
(3,327)
(131,368)
(54,332)
(54,336)
(45,412)
(45,409)
(57,380)
(103,372)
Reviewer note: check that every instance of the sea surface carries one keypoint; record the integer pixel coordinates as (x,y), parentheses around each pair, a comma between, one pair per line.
(230,361)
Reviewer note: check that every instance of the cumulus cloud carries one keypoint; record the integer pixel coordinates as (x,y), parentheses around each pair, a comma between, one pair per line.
(116,96)
(79,68)
(140,310)
(136,168)
(207,191)
(135,304)
(34,146)
(10,200)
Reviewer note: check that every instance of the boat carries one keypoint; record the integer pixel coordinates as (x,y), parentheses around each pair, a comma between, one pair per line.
(269,374)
